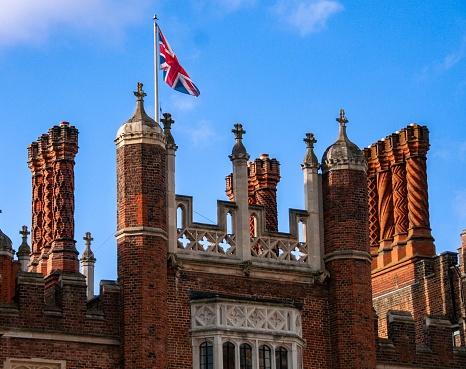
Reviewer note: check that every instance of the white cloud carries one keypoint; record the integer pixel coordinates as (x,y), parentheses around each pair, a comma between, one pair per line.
(454,58)
(202,134)
(32,21)
(307,16)
(221,7)
(182,101)
(458,203)
(233,5)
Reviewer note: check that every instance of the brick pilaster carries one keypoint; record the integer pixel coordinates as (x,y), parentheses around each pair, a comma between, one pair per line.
(142,240)
(347,258)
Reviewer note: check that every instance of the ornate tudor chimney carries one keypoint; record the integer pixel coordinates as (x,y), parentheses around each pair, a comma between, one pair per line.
(398,199)
(347,256)
(51,160)
(142,239)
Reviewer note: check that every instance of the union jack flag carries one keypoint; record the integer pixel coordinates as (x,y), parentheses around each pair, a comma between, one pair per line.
(173,73)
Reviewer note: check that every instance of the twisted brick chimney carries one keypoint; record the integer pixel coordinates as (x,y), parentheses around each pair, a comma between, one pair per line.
(51,160)
(399,223)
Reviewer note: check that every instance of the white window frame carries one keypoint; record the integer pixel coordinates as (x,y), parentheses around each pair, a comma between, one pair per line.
(215,329)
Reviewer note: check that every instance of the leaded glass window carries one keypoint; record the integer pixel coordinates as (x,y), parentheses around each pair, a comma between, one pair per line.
(245,355)
(228,355)
(281,358)
(265,361)
(206,356)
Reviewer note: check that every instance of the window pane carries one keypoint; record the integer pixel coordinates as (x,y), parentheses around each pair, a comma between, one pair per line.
(228,355)
(264,357)
(206,356)
(281,358)
(245,354)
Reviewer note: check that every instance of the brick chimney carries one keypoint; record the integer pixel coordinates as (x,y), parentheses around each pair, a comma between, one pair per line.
(51,160)
(263,177)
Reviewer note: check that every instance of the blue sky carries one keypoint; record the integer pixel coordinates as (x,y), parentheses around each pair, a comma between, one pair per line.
(280,67)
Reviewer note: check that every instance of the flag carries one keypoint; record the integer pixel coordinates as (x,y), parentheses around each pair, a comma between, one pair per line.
(173,73)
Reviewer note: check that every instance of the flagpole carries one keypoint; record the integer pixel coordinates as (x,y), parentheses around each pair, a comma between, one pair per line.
(156,71)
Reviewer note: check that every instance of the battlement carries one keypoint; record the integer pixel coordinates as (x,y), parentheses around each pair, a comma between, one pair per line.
(435,351)
(61,306)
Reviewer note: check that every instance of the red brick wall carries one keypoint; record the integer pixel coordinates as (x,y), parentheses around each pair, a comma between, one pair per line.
(313,297)
(350,298)
(8,270)
(76,355)
(420,287)
(142,258)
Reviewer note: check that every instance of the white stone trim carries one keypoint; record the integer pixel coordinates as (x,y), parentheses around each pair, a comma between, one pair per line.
(12,363)
(348,254)
(60,337)
(141,231)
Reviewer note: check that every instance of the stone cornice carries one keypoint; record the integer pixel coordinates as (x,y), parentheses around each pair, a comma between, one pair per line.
(53,336)
(141,231)
(348,254)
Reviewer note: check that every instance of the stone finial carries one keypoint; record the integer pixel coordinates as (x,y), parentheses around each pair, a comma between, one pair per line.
(87,265)
(239,151)
(140,114)
(342,119)
(343,154)
(167,124)
(140,126)
(140,94)
(88,255)
(238,131)
(24,250)
(310,159)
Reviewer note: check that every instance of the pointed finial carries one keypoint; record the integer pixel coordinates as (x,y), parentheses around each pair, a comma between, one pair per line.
(342,120)
(140,92)
(167,125)
(24,250)
(88,240)
(310,159)
(310,140)
(88,254)
(238,131)
(24,233)
(239,151)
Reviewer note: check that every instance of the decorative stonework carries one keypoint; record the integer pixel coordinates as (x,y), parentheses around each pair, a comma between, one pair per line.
(246,317)
(207,241)
(281,249)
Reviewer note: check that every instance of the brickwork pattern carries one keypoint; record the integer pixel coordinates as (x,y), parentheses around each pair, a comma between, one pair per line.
(312,298)
(399,162)
(51,161)
(142,259)
(436,350)
(76,355)
(350,297)
(263,178)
